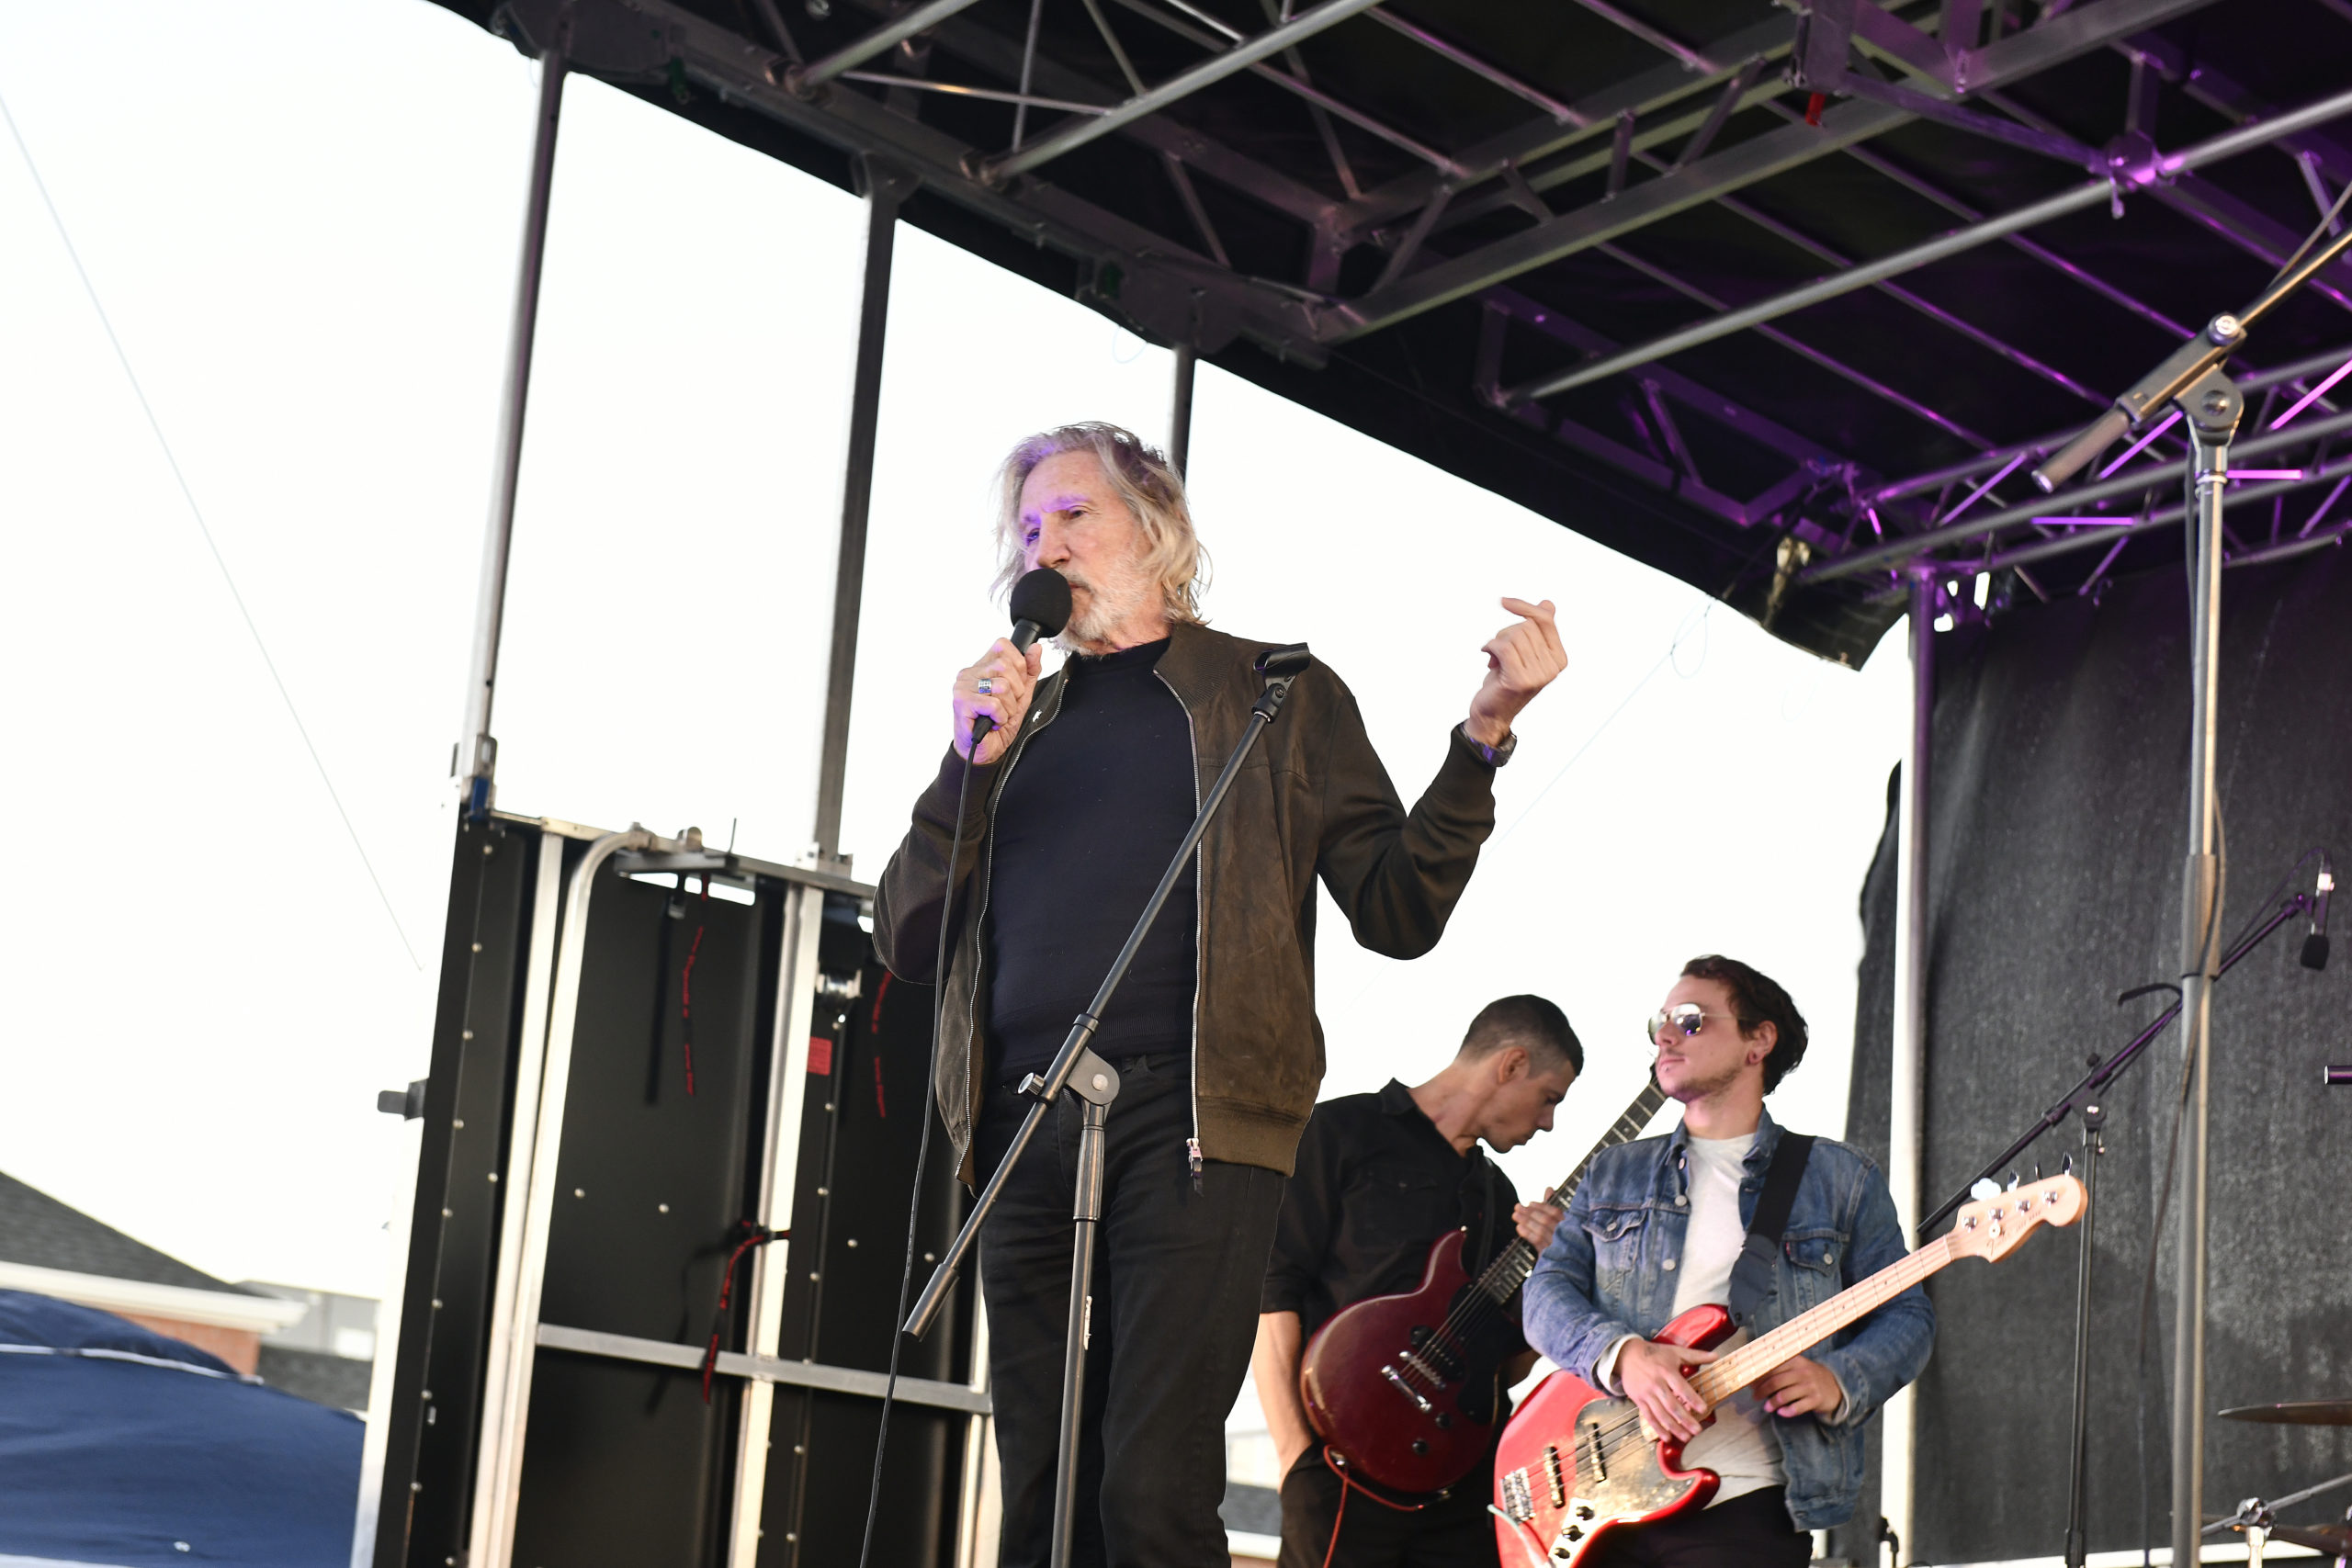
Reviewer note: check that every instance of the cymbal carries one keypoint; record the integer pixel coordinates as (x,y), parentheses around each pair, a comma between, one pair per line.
(2297,1412)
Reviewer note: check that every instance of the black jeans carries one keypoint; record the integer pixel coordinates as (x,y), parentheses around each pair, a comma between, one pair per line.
(1176,1279)
(1454,1532)
(1752,1530)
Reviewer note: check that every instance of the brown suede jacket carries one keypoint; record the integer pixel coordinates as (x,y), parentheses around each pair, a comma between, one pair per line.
(1312,800)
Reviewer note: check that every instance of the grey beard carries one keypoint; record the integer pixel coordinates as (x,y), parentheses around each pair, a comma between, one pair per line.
(1105,607)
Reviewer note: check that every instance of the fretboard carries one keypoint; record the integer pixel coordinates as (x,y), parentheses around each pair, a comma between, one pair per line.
(1718,1381)
(1510,1271)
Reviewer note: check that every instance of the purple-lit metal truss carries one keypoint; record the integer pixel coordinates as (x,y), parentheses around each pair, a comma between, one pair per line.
(1554,271)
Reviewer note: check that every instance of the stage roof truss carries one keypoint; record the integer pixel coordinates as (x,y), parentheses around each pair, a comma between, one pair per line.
(1482,232)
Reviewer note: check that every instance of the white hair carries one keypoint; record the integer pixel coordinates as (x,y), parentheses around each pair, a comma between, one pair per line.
(1143,478)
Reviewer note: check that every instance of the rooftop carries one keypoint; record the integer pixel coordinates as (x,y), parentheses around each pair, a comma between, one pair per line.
(38,1231)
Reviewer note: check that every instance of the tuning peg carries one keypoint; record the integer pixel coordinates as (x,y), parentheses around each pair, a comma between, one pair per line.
(2013,1183)
(2037,1173)
(2065,1168)
(1984,1187)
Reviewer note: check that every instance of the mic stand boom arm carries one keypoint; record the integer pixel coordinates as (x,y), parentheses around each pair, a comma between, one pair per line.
(2202,354)
(1078,1069)
(2105,1071)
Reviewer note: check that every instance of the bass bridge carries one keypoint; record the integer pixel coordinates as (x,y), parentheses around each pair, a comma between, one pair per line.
(1518,1486)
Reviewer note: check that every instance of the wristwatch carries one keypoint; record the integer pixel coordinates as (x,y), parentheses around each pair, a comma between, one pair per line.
(1495,756)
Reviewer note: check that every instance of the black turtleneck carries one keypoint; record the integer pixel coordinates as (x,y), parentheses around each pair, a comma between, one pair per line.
(1095,807)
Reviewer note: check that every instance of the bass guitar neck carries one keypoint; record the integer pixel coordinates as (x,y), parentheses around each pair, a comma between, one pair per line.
(1575,1465)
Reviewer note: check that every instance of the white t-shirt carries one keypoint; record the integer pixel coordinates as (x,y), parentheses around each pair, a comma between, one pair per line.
(1737,1446)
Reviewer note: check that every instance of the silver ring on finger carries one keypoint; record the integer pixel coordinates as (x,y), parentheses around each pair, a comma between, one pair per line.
(987,687)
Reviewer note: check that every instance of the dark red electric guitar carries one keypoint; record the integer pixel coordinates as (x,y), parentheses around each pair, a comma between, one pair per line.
(1404,1388)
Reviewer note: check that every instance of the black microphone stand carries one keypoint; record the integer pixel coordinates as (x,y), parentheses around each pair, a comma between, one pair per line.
(2211,406)
(2106,1070)
(1077,1068)
(2086,1100)
(2079,1449)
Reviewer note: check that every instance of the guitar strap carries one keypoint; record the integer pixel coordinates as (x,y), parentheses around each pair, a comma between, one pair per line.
(1751,1276)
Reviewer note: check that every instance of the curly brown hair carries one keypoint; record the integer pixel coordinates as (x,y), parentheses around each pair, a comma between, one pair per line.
(1757,999)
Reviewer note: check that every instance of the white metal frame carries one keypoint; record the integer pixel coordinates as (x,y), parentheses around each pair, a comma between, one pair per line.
(499,1482)
(494,1477)
(779,1173)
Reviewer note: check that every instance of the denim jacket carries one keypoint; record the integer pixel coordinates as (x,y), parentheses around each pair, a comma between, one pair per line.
(1603,1278)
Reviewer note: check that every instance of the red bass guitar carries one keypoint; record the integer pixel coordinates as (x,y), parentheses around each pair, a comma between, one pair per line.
(1575,1465)
(1404,1388)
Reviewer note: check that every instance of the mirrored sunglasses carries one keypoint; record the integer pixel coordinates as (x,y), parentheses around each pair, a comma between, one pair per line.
(1687,1018)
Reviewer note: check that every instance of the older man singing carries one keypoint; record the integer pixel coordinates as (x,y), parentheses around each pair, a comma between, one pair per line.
(1078,799)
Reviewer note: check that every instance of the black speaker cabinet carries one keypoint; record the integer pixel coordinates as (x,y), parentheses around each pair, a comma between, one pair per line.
(648,1058)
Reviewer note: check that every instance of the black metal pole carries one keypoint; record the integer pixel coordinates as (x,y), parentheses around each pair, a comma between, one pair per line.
(1179,414)
(1078,1330)
(2078,1524)
(886,186)
(477,762)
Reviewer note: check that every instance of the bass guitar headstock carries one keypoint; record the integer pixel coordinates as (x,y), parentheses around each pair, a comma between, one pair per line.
(1991,1227)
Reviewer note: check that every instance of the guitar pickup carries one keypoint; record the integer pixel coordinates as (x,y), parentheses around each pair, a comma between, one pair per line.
(1554,1482)
(1407,1390)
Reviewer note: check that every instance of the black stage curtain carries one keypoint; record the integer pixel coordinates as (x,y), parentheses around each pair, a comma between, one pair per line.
(2057,828)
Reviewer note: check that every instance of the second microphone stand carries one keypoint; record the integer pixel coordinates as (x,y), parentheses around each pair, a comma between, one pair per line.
(2086,1100)
(1076,1068)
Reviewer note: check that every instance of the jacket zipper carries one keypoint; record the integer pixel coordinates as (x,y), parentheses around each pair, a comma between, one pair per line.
(1200,938)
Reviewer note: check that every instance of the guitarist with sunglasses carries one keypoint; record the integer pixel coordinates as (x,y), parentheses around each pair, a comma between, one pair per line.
(1381,1178)
(1665,1224)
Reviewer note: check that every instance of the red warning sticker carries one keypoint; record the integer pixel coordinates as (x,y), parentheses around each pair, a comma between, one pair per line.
(820,1055)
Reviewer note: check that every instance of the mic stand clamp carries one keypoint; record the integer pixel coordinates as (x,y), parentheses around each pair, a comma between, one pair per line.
(2181,373)
(1077,1069)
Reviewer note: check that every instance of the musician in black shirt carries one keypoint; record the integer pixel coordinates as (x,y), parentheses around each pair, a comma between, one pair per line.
(1380,1177)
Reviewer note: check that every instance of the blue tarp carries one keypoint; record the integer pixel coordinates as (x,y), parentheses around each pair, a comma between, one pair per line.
(121,1446)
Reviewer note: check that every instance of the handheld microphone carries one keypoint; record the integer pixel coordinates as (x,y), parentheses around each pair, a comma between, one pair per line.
(2315,944)
(1040,608)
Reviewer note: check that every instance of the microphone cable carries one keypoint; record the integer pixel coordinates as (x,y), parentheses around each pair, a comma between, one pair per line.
(1041,606)
(923,1157)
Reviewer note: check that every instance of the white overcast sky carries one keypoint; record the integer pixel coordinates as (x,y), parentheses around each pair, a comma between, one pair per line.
(302,221)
